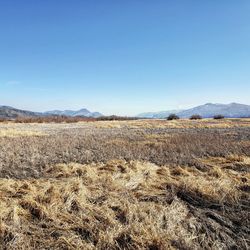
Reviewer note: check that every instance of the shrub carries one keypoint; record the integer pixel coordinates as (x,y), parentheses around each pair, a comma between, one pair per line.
(116,118)
(173,117)
(5,119)
(217,117)
(195,117)
(53,119)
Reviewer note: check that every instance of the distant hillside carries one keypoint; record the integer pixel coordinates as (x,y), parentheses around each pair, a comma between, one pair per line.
(7,112)
(232,110)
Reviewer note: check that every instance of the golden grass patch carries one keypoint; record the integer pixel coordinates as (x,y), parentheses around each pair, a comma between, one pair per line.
(182,123)
(18,133)
(117,205)
(182,185)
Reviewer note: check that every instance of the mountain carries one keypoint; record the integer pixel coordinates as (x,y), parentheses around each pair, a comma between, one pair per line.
(9,112)
(208,110)
(81,112)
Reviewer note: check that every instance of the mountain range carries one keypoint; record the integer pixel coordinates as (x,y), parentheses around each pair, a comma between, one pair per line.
(208,110)
(7,112)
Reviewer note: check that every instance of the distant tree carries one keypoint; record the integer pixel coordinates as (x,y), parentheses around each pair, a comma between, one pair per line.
(217,117)
(173,117)
(195,117)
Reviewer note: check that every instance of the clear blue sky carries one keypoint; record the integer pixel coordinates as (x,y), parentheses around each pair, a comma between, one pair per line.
(123,57)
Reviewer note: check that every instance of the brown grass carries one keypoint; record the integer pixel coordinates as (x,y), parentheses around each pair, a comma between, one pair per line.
(19,133)
(64,119)
(127,187)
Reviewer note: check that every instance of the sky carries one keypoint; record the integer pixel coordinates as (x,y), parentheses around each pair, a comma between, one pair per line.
(123,57)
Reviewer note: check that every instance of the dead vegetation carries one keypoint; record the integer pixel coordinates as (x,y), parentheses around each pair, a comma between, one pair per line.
(64,119)
(90,187)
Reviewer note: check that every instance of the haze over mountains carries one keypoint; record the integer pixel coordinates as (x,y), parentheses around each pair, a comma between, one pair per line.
(208,110)
(232,110)
(81,112)
(158,115)
(7,112)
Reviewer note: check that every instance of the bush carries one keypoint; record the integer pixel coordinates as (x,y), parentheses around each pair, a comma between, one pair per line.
(53,119)
(116,118)
(195,117)
(217,117)
(173,117)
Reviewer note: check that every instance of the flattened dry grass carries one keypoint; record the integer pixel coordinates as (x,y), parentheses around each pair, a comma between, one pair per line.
(131,185)
(126,205)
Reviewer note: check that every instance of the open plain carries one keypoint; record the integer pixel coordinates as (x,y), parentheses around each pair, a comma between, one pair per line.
(143,184)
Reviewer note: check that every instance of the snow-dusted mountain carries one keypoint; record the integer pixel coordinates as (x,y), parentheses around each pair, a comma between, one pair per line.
(208,110)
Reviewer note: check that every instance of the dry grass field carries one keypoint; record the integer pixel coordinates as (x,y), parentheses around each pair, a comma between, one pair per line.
(144,184)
